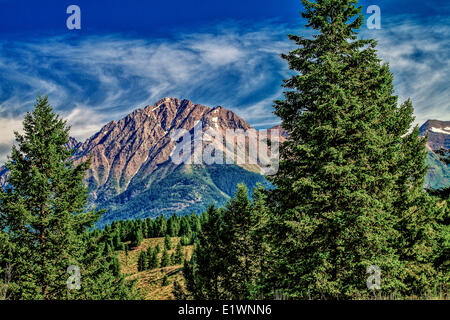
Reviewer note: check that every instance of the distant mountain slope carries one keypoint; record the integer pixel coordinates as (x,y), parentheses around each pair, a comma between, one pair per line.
(131,173)
(186,189)
(126,152)
(438,133)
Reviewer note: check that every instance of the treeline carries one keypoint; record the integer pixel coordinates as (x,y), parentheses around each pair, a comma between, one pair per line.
(132,232)
(215,182)
(149,259)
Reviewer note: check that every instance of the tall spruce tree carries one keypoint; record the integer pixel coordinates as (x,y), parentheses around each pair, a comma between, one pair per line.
(350,182)
(258,244)
(142,261)
(43,215)
(204,272)
(100,274)
(153,259)
(228,259)
(167,242)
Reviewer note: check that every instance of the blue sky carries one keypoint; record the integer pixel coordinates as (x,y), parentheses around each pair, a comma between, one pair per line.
(129,54)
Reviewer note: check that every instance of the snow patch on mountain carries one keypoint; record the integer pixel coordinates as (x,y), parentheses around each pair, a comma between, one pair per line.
(439,130)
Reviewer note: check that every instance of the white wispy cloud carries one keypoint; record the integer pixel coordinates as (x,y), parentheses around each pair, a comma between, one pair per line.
(8,126)
(418,53)
(100,78)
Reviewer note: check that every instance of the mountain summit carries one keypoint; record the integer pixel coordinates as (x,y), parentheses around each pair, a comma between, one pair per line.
(137,145)
(132,175)
(438,134)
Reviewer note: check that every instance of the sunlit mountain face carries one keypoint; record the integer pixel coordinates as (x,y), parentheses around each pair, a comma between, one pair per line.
(438,133)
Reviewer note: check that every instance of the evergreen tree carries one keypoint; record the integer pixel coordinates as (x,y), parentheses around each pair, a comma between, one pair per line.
(259,247)
(185,227)
(117,241)
(144,229)
(204,272)
(43,214)
(153,260)
(115,266)
(444,155)
(443,193)
(125,245)
(165,281)
(167,242)
(165,260)
(237,235)
(184,241)
(142,261)
(442,262)
(349,184)
(179,254)
(98,275)
(149,254)
(5,266)
(178,291)
(162,226)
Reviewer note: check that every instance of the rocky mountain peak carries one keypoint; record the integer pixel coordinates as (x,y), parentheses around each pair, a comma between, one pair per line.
(135,146)
(438,134)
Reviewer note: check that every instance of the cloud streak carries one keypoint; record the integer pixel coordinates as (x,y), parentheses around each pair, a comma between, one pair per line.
(96,79)
(418,53)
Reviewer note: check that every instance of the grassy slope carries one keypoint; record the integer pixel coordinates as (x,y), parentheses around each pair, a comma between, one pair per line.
(149,282)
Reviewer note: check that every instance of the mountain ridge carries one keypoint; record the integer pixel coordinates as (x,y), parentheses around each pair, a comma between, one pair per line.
(141,141)
(131,165)
(132,175)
